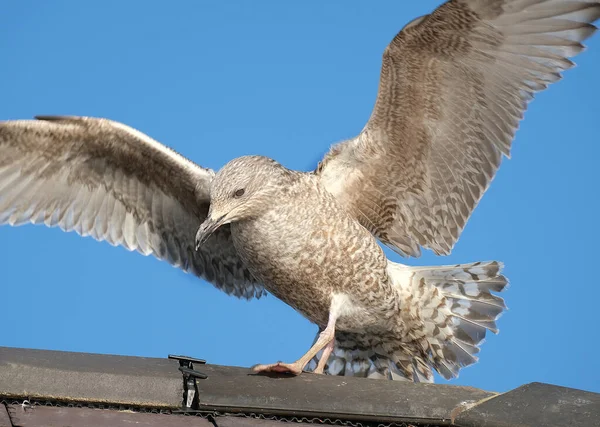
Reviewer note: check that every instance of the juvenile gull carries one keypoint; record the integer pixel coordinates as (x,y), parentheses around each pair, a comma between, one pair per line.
(454,85)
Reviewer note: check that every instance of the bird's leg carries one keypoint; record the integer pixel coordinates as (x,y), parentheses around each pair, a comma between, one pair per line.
(325,357)
(325,338)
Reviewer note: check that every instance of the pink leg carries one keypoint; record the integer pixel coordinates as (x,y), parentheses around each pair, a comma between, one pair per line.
(325,357)
(325,339)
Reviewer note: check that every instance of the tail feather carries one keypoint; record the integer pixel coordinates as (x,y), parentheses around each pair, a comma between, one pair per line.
(450,307)
(476,311)
(467,309)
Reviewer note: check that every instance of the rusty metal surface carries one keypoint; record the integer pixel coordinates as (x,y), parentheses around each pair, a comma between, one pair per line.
(82,377)
(534,405)
(4,418)
(229,389)
(48,416)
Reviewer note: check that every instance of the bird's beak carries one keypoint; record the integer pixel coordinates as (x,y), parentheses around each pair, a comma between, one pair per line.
(207,228)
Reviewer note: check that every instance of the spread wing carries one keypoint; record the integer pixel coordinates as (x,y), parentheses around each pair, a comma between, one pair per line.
(454,86)
(103,179)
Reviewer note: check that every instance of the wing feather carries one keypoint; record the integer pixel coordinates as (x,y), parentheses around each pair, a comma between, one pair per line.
(103,179)
(454,86)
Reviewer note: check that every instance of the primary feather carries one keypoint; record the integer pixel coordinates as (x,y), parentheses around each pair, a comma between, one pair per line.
(454,86)
(106,180)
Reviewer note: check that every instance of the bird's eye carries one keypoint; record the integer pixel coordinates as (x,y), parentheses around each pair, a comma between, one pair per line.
(239,193)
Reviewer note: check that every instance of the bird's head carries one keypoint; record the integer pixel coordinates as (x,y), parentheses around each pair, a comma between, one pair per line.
(241,190)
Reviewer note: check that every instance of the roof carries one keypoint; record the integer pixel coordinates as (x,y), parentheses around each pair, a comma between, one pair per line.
(40,387)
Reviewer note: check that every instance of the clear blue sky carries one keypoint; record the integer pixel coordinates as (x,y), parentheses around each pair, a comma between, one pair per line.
(215,80)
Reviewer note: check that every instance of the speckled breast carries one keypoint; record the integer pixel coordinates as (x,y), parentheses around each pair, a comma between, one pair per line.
(306,248)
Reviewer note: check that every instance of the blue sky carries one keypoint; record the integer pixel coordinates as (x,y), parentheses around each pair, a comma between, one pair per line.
(216,80)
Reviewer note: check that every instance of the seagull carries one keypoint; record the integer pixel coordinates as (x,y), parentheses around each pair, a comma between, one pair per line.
(454,86)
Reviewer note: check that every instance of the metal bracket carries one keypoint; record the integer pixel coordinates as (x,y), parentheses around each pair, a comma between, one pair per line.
(190,375)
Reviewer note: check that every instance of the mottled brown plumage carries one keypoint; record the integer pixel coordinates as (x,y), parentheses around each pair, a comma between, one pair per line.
(109,181)
(454,85)
(297,239)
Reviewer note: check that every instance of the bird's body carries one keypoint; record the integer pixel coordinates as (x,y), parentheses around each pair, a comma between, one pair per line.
(298,240)
(454,85)
(303,230)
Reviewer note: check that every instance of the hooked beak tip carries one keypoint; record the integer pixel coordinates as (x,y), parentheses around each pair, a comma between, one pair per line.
(206,229)
(202,236)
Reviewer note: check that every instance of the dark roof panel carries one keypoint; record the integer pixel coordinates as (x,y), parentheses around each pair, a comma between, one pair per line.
(536,405)
(4,418)
(236,397)
(229,389)
(82,377)
(86,417)
(228,421)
